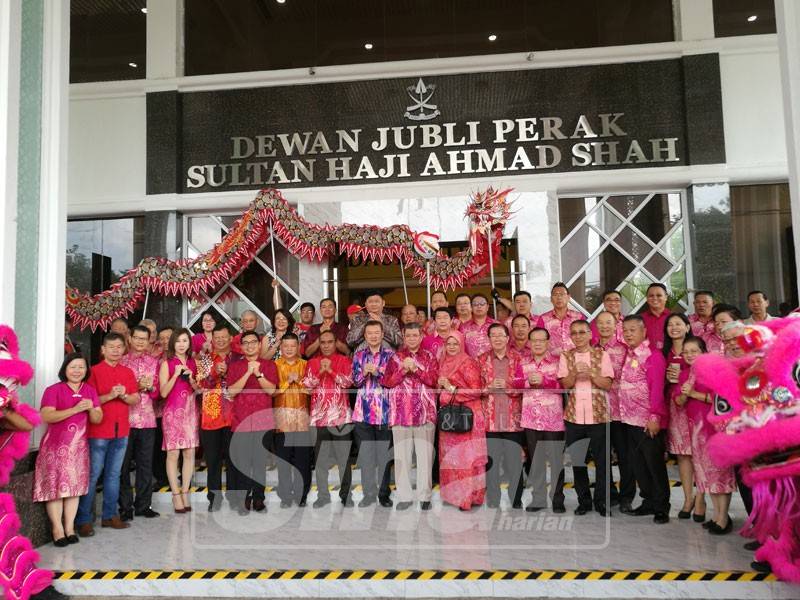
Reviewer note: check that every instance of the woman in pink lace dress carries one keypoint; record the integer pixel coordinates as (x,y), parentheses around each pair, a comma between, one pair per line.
(676,329)
(718,482)
(181,420)
(463,456)
(62,466)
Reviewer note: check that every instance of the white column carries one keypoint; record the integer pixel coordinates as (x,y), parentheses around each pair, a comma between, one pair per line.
(693,19)
(164,39)
(51,278)
(787,14)
(9,149)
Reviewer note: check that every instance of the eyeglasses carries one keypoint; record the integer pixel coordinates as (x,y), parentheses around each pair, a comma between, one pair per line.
(477,304)
(250,342)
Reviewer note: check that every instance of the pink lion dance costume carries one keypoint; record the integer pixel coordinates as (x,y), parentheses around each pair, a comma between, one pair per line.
(19,576)
(757,410)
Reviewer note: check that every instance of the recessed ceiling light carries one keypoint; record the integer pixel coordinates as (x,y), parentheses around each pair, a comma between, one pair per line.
(133,65)
(368,46)
(752,18)
(144,10)
(281,1)
(492,37)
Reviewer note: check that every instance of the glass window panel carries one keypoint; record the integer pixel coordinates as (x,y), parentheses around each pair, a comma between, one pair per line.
(107,40)
(577,251)
(736,17)
(634,244)
(674,246)
(658,266)
(678,287)
(605,272)
(626,205)
(656,218)
(605,221)
(634,292)
(571,211)
(204,233)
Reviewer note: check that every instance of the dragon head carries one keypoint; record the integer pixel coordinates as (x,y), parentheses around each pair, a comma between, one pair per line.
(757,402)
(13,370)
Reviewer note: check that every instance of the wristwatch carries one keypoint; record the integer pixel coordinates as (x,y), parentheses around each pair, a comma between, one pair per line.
(260,376)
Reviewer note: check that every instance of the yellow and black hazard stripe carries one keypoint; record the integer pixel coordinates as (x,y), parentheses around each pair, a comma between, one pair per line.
(365,575)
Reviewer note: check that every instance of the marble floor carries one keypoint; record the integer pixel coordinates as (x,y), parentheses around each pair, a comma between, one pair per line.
(376,539)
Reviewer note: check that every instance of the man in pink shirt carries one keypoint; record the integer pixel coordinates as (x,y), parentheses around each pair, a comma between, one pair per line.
(438,300)
(656,314)
(558,321)
(434,343)
(587,374)
(328,376)
(412,373)
(523,304)
(463,311)
(543,421)
(644,411)
(476,330)
(612,304)
(616,349)
(702,320)
(520,331)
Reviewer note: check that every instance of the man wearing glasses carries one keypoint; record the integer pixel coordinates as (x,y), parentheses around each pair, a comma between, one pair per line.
(476,330)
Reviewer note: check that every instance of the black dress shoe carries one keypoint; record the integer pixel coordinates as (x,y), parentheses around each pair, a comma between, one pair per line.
(259,506)
(533,508)
(517,505)
(614,500)
(49,593)
(582,510)
(761,566)
(752,546)
(61,542)
(248,502)
(707,524)
(642,511)
(302,502)
(625,508)
(699,518)
(366,501)
(348,501)
(403,506)
(126,515)
(715,529)
(73,539)
(661,518)
(386,502)
(601,510)
(685,514)
(425,505)
(559,508)
(147,513)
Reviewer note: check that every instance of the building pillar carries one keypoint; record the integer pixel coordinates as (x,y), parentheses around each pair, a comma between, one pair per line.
(693,19)
(162,236)
(10,36)
(164,39)
(787,15)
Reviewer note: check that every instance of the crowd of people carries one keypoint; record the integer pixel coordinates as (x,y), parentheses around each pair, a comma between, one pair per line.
(370,392)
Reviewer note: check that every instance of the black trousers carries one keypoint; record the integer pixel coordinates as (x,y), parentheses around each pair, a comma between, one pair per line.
(627,480)
(159,460)
(374,457)
(247,465)
(744,491)
(140,449)
(332,447)
(544,447)
(295,450)
(505,452)
(649,468)
(216,445)
(580,438)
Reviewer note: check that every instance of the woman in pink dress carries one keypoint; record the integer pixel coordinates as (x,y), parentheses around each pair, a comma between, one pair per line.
(180,420)
(62,466)
(201,342)
(676,328)
(463,456)
(716,481)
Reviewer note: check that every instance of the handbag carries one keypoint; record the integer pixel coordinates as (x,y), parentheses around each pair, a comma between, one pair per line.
(455,418)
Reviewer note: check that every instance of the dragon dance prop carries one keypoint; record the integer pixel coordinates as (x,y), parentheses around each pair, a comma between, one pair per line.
(19,576)
(488,212)
(757,413)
